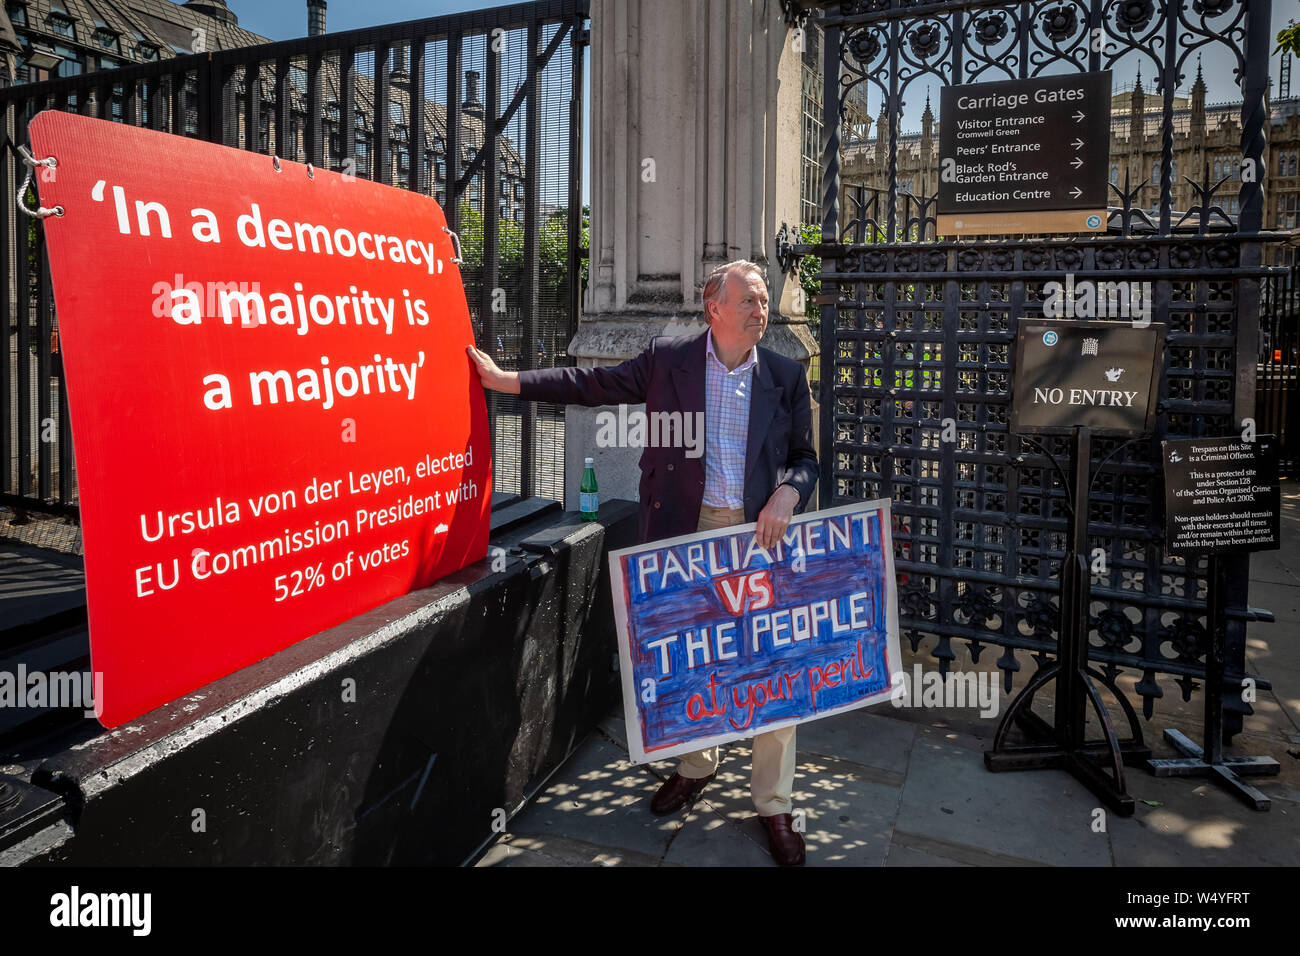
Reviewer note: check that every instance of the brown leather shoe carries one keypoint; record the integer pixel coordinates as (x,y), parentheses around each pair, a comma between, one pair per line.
(676,792)
(786,845)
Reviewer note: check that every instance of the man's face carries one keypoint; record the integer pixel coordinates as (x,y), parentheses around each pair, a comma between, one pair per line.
(740,313)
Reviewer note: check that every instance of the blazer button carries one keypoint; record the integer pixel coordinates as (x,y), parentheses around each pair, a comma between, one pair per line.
(656,504)
(670,467)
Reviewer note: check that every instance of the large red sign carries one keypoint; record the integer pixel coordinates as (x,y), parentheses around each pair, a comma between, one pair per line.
(275,422)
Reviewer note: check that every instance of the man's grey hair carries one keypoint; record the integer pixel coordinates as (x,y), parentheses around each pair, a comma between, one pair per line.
(716,284)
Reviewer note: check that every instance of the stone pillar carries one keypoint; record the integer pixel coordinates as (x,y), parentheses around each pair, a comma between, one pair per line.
(695,161)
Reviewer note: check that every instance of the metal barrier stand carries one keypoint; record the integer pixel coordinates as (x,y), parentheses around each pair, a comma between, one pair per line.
(1065,746)
(1209,761)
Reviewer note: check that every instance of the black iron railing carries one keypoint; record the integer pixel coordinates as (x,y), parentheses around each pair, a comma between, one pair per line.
(480,110)
(1277,388)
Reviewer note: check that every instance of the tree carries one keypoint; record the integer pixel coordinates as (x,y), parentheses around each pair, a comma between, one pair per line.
(1289,39)
(552,249)
(809,266)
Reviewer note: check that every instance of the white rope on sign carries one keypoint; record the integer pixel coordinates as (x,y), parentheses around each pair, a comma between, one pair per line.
(31,162)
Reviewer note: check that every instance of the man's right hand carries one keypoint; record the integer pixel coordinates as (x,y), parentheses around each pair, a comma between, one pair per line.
(492,376)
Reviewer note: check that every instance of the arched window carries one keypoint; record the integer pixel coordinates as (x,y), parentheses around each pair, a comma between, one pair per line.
(1155,173)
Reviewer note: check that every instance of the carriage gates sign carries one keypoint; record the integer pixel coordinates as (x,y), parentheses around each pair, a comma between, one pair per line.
(1024,156)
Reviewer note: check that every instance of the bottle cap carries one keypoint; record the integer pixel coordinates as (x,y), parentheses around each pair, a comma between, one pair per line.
(591,461)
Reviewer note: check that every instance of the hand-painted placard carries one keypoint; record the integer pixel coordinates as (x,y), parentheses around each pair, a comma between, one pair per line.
(276,426)
(720,639)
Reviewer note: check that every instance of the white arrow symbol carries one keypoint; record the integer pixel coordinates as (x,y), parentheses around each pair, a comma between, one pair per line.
(1078,117)
(1077,162)
(1077,144)
(1076,192)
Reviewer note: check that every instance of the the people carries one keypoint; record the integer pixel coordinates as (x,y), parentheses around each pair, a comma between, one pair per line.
(759,465)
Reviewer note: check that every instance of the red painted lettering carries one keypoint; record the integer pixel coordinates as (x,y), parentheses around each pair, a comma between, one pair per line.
(733,600)
(695,707)
(739,590)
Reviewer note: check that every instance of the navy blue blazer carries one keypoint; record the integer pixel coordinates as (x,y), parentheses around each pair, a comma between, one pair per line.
(668,377)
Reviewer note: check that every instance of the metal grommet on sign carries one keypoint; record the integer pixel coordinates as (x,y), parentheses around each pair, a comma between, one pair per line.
(31,162)
(455,241)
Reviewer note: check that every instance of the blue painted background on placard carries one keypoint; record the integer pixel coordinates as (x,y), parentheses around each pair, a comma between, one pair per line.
(780,677)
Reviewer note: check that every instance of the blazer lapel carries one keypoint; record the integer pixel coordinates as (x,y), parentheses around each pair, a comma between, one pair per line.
(763,403)
(688,377)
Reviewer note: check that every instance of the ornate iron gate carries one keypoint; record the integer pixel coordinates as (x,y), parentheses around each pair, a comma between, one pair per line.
(916,337)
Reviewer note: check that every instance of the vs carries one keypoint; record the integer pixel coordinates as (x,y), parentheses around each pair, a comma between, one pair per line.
(741,593)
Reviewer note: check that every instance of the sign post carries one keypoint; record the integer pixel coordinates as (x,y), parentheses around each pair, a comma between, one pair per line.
(1085,378)
(1024,156)
(1221,497)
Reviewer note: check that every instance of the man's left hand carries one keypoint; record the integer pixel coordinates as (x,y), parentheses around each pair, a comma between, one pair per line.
(776,515)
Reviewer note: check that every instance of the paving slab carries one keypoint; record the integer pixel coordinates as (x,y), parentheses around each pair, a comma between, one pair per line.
(1273,567)
(847,815)
(906,856)
(517,850)
(721,827)
(600,798)
(710,838)
(1041,815)
(1189,822)
(863,737)
(915,849)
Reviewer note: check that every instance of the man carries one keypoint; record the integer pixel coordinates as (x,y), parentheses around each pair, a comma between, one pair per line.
(759,466)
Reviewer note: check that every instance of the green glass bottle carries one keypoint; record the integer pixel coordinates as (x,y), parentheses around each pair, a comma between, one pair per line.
(590,499)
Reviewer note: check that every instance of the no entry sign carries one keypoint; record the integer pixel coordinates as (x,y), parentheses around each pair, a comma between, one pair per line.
(1103,375)
(275,423)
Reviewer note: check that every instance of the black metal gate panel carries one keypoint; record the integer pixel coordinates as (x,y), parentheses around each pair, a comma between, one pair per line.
(917,333)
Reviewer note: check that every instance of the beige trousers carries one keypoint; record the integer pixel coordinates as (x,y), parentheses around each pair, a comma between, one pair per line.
(772,780)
